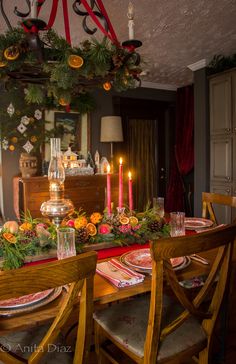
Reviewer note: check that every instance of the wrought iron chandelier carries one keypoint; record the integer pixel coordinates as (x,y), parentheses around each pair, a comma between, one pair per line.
(31,53)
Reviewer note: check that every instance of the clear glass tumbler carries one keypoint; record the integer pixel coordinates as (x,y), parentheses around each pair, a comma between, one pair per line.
(65,243)
(159,206)
(177,227)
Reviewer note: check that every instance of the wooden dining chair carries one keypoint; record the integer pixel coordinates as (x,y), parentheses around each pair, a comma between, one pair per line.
(211,199)
(78,273)
(164,328)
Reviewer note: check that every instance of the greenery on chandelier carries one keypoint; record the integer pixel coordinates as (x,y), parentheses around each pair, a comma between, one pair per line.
(66,74)
(221,63)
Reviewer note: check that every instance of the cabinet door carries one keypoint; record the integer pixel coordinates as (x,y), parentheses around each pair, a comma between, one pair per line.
(221,159)
(223,213)
(220,104)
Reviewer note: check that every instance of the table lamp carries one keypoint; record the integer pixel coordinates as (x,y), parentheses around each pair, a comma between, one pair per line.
(111,131)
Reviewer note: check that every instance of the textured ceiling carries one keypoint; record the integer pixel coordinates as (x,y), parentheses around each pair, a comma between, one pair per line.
(175,33)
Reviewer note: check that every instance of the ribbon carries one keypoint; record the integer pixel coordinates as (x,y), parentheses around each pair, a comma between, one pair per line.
(52,14)
(111,36)
(66,21)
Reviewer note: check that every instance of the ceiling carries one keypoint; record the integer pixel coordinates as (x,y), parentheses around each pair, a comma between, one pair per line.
(175,33)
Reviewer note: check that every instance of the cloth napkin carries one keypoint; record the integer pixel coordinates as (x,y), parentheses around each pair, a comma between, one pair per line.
(118,274)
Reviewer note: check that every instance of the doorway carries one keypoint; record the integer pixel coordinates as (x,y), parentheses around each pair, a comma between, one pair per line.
(148,128)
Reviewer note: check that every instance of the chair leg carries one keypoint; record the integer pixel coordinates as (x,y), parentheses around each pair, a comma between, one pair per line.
(203,356)
(99,339)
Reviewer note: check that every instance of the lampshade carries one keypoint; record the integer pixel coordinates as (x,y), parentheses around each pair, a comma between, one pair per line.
(111,129)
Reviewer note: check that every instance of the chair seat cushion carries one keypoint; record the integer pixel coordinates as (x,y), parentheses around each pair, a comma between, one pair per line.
(126,322)
(24,343)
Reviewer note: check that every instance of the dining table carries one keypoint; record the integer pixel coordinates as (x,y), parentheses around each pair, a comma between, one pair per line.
(105,293)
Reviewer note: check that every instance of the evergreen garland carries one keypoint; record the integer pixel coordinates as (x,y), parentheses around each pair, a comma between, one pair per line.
(220,63)
(59,81)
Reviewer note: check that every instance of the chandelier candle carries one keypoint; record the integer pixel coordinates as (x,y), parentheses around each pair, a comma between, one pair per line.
(130,16)
(120,184)
(108,189)
(130,184)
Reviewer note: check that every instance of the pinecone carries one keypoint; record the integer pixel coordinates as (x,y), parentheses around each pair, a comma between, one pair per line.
(82,235)
(155,225)
(30,233)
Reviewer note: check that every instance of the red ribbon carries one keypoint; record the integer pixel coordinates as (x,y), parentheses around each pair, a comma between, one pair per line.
(52,14)
(66,21)
(111,36)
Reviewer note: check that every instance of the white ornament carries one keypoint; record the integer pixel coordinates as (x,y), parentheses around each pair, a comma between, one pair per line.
(38,114)
(5,144)
(25,120)
(10,110)
(21,128)
(28,146)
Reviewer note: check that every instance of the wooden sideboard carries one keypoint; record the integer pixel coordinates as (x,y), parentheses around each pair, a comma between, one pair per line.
(87,192)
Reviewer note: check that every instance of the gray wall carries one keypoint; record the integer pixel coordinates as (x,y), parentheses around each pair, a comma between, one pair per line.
(10,161)
(201,139)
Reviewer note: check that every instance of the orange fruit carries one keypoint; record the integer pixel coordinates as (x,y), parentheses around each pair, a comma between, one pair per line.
(11,147)
(91,229)
(75,61)
(80,222)
(107,86)
(96,217)
(124,220)
(133,220)
(11,53)
(14,139)
(10,238)
(25,226)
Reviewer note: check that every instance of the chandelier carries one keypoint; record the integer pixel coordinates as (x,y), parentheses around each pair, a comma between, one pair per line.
(47,65)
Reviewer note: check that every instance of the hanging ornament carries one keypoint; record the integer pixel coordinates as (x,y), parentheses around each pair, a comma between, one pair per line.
(11,148)
(12,53)
(25,120)
(38,114)
(10,110)
(33,139)
(21,128)
(107,86)
(5,144)
(3,64)
(14,140)
(75,61)
(28,146)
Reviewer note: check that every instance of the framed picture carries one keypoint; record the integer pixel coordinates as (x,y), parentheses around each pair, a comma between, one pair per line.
(67,127)
(72,128)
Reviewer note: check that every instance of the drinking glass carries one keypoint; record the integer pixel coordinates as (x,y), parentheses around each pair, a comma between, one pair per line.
(65,243)
(158,206)
(177,227)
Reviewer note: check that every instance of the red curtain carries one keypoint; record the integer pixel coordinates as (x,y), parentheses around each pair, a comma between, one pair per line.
(183,158)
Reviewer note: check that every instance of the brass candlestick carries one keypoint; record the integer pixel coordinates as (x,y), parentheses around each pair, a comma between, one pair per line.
(57,208)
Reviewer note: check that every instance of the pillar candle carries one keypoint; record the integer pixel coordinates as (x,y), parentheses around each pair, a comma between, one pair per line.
(130,191)
(120,184)
(108,189)
(33,9)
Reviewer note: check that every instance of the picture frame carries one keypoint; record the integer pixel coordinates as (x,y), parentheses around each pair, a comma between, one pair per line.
(72,127)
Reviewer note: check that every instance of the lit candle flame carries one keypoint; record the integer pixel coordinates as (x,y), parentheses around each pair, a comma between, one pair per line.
(108,168)
(121,161)
(130,175)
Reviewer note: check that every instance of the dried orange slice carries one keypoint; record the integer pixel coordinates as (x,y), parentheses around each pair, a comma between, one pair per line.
(3,64)
(91,229)
(75,61)
(124,220)
(107,86)
(133,220)
(10,238)
(63,102)
(11,53)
